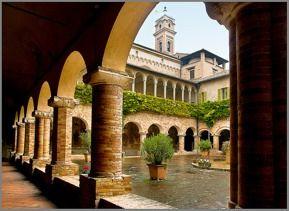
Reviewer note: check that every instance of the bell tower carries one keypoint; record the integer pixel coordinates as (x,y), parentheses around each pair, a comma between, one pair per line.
(165,34)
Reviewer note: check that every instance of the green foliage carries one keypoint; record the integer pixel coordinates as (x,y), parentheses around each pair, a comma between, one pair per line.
(225,146)
(205,145)
(157,149)
(86,139)
(135,102)
(204,163)
(208,112)
(83,92)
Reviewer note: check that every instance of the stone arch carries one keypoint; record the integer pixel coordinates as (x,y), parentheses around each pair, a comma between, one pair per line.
(30,107)
(154,129)
(224,136)
(131,139)
(150,85)
(70,73)
(16,117)
(117,50)
(204,133)
(174,134)
(139,82)
(219,130)
(189,140)
(44,95)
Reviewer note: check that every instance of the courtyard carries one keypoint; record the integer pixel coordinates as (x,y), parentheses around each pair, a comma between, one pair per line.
(185,187)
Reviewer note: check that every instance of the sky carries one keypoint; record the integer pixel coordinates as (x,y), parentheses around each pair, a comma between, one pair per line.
(195,29)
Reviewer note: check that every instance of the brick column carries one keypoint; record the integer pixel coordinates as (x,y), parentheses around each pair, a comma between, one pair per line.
(29,138)
(106,143)
(20,138)
(255,122)
(46,138)
(61,164)
(233,120)
(181,143)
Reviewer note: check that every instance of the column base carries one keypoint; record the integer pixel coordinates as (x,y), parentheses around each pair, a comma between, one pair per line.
(92,189)
(38,162)
(53,170)
(232,205)
(25,158)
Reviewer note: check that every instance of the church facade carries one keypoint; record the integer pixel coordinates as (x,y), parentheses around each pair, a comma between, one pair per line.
(194,78)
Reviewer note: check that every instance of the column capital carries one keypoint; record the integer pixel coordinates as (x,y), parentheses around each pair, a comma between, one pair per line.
(196,136)
(165,82)
(108,76)
(143,133)
(216,135)
(182,135)
(189,89)
(155,80)
(174,85)
(20,124)
(41,114)
(183,87)
(56,101)
(14,126)
(30,120)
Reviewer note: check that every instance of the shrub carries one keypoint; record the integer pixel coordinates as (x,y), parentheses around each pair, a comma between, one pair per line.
(86,139)
(204,163)
(225,146)
(157,149)
(205,145)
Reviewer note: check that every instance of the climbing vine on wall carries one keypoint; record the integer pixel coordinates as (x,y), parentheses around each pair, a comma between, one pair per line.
(208,112)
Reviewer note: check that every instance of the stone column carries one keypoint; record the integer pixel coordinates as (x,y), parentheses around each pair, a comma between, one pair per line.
(142,136)
(20,138)
(145,84)
(29,138)
(174,90)
(133,85)
(183,93)
(105,177)
(181,143)
(155,86)
(196,142)
(61,164)
(165,88)
(216,142)
(46,138)
(190,94)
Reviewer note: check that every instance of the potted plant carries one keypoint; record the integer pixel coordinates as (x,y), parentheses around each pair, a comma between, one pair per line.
(156,150)
(205,146)
(226,150)
(86,142)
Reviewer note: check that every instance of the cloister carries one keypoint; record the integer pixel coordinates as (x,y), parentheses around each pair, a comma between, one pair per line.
(46,46)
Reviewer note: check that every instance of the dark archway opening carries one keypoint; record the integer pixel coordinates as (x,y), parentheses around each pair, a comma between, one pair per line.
(224,136)
(189,140)
(131,140)
(173,133)
(78,127)
(204,136)
(153,130)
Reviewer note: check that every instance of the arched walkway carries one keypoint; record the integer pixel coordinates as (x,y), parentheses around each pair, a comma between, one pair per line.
(131,139)
(204,136)
(173,133)
(189,140)
(153,130)
(224,136)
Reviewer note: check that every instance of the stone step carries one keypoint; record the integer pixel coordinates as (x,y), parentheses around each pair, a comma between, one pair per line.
(132,201)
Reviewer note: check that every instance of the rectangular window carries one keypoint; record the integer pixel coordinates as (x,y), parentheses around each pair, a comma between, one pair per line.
(192,72)
(223,93)
(203,97)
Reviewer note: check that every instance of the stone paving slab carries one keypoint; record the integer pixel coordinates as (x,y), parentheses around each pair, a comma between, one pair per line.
(133,201)
(19,192)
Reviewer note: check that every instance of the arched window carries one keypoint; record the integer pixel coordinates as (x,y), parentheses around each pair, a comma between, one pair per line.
(169,46)
(160,46)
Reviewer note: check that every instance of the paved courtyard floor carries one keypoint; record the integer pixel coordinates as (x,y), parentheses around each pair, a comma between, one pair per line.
(19,192)
(185,187)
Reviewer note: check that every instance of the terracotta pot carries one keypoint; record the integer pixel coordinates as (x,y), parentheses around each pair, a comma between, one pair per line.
(205,153)
(157,172)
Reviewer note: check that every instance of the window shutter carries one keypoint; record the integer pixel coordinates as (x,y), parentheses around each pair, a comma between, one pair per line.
(219,94)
